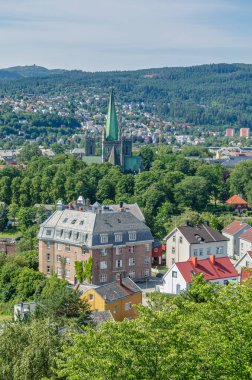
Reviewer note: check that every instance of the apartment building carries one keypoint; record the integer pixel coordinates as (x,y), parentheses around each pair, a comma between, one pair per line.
(117,242)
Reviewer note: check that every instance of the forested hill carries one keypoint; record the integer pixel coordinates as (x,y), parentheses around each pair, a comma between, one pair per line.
(217,94)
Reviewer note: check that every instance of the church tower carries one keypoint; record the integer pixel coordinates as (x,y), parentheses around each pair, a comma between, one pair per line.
(116,148)
(111,142)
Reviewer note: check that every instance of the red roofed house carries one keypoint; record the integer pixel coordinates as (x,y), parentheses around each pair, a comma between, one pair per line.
(233,232)
(237,202)
(246,242)
(219,270)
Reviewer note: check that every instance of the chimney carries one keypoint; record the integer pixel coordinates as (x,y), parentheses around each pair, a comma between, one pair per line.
(121,204)
(194,261)
(212,259)
(70,206)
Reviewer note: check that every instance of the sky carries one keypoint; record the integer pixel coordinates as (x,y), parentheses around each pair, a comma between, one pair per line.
(102,35)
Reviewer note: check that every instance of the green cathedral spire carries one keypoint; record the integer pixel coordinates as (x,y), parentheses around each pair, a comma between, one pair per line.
(111,124)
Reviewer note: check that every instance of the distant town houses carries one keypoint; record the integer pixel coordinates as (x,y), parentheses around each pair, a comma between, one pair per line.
(114,238)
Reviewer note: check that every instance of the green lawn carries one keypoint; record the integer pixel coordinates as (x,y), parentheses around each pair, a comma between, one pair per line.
(11,233)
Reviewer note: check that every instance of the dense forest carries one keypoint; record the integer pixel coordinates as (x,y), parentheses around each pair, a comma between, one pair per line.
(216,94)
(170,185)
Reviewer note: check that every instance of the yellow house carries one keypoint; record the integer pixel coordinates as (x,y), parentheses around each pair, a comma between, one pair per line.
(118,297)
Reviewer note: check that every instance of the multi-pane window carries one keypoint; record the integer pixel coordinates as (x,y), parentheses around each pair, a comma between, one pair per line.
(146,273)
(104,238)
(48,256)
(118,237)
(48,245)
(48,231)
(132,274)
(195,252)
(201,251)
(104,252)
(103,265)
(103,277)
(59,271)
(58,258)
(59,246)
(48,270)
(147,247)
(209,251)
(119,264)
(132,261)
(132,235)
(132,249)
(91,297)
(219,250)
(119,250)
(128,306)
(68,260)
(174,274)
(67,247)
(147,260)
(67,273)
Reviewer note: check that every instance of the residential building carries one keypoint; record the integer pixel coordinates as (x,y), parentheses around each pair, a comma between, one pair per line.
(246,242)
(23,310)
(244,132)
(157,253)
(117,241)
(233,232)
(244,262)
(237,202)
(118,297)
(179,277)
(229,132)
(200,241)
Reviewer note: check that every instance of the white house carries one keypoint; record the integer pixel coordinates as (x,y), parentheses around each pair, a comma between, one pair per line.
(200,241)
(245,242)
(219,270)
(244,262)
(233,232)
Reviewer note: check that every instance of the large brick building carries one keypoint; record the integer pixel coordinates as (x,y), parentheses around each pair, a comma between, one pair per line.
(117,241)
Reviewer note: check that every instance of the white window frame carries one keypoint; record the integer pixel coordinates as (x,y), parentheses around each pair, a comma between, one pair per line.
(195,252)
(119,263)
(201,251)
(67,273)
(104,252)
(48,232)
(146,273)
(118,237)
(174,274)
(58,271)
(119,250)
(67,247)
(132,261)
(104,238)
(131,249)
(128,306)
(58,258)
(103,277)
(68,260)
(132,235)
(48,244)
(147,260)
(147,247)
(59,247)
(103,265)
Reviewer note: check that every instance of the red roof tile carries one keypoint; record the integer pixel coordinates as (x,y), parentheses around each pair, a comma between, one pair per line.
(234,227)
(247,235)
(222,268)
(236,200)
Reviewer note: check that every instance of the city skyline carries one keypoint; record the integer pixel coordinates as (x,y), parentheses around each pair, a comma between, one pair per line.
(124,35)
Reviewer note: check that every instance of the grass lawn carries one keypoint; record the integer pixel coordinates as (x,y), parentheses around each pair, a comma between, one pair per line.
(5,318)
(11,233)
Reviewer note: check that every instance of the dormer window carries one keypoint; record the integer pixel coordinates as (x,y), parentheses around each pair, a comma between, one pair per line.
(118,237)
(104,238)
(48,232)
(132,236)
(73,221)
(81,222)
(65,220)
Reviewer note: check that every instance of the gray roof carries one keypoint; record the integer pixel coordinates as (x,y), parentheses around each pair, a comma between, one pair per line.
(201,234)
(84,228)
(98,317)
(115,291)
(133,208)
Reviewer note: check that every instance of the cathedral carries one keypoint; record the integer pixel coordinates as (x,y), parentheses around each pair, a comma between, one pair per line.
(116,148)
